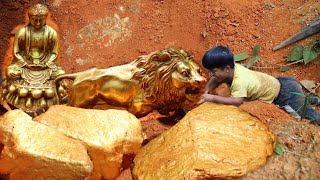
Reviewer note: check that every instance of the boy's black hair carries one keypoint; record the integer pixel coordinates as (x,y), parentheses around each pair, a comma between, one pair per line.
(218,57)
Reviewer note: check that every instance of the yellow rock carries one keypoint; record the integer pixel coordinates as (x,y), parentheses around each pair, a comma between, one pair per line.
(108,134)
(35,151)
(211,141)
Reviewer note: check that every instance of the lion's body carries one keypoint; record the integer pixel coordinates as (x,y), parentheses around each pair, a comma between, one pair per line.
(149,82)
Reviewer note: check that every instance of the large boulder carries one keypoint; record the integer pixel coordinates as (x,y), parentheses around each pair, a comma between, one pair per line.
(211,141)
(30,150)
(108,135)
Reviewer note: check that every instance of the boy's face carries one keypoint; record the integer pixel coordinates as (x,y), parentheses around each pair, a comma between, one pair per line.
(220,74)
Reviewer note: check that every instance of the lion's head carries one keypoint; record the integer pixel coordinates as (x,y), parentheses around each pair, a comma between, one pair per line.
(169,75)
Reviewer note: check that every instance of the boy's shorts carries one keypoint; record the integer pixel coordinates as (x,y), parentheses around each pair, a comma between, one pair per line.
(294,103)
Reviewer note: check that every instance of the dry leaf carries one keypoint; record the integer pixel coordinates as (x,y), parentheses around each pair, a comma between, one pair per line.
(311,86)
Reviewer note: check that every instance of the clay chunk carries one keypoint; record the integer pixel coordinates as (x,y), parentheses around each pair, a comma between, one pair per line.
(30,150)
(108,134)
(211,141)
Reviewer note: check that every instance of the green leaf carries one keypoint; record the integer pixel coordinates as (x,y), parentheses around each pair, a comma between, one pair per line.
(284,69)
(309,54)
(240,57)
(296,53)
(299,94)
(256,50)
(278,149)
(252,61)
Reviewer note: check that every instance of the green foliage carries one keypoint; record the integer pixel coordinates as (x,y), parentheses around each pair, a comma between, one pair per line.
(256,50)
(241,57)
(252,61)
(296,53)
(278,149)
(305,54)
(254,56)
(309,54)
(284,68)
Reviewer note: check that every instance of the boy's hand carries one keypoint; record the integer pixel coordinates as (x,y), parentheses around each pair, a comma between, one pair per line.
(206,98)
(236,101)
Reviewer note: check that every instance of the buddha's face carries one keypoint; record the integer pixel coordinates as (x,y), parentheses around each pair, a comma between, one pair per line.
(37,21)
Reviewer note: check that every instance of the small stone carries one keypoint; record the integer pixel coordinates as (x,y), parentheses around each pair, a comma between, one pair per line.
(204,34)
(269,6)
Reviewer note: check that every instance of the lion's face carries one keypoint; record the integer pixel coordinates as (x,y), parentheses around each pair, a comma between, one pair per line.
(168,78)
(178,74)
(187,78)
(170,75)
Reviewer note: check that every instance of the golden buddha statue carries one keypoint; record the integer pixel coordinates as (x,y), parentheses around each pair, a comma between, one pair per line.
(28,82)
(35,45)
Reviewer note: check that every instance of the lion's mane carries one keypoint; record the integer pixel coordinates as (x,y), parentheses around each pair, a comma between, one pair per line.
(155,77)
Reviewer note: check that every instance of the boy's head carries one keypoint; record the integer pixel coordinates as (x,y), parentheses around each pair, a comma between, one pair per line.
(219,62)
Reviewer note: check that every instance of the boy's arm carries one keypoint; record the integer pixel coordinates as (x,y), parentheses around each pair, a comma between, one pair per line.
(236,101)
(212,83)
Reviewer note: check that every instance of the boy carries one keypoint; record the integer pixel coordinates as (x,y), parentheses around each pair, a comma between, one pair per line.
(246,84)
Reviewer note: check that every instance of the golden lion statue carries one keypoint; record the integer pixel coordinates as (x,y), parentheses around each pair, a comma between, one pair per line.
(161,80)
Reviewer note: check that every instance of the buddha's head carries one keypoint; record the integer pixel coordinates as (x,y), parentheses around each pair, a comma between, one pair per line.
(37,15)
